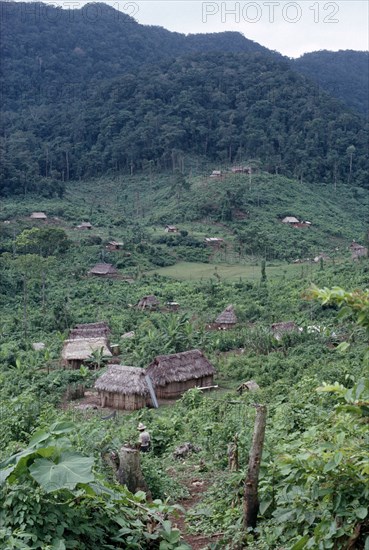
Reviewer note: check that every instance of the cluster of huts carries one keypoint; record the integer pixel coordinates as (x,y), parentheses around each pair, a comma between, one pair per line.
(129,388)
(169,376)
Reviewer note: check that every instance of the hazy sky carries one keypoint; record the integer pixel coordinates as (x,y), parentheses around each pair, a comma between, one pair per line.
(291,28)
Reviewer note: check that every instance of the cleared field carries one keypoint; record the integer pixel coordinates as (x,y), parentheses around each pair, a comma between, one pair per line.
(197,271)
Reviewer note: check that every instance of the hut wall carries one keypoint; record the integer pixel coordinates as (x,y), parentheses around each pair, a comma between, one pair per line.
(176,389)
(73,363)
(121,401)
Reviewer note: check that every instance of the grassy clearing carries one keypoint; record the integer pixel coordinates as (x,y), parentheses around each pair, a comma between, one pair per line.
(192,271)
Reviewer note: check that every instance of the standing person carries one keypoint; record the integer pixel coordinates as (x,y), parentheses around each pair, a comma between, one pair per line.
(144,438)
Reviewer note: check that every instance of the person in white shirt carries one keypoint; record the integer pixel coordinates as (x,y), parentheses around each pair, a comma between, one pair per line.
(143,438)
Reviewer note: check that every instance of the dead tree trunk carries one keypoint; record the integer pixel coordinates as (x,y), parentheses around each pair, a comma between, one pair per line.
(129,472)
(250,495)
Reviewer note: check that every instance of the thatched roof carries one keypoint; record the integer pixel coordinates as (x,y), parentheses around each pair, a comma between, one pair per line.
(213,240)
(179,367)
(103,269)
(90,330)
(290,219)
(81,348)
(115,243)
(278,329)
(227,317)
(84,225)
(38,216)
(148,301)
(124,380)
(129,334)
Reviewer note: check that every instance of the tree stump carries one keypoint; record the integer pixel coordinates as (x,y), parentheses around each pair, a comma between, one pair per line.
(129,471)
(250,496)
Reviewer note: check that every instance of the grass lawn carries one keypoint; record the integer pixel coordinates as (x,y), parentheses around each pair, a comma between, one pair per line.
(197,271)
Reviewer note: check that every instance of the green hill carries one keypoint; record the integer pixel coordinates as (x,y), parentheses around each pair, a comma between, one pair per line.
(343,74)
(83,99)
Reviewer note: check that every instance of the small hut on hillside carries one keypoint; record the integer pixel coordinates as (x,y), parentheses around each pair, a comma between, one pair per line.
(171,229)
(103,270)
(148,302)
(213,241)
(84,226)
(227,319)
(76,351)
(280,329)
(291,220)
(113,246)
(174,374)
(241,170)
(38,216)
(122,387)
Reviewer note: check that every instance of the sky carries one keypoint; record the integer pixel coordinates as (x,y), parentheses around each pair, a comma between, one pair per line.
(290,27)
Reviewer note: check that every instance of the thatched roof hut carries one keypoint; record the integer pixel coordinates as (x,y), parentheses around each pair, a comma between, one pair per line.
(84,225)
(123,387)
(104,270)
(38,216)
(290,219)
(90,330)
(76,351)
(114,245)
(171,229)
(227,319)
(148,302)
(174,374)
(279,329)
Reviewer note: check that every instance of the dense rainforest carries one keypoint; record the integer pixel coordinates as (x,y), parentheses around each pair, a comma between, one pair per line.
(344,74)
(81,98)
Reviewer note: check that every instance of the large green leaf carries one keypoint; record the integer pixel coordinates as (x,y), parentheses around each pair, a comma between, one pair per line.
(72,468)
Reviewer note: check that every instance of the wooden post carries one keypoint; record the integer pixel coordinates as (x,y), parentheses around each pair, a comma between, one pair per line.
(250,495)
(129,472)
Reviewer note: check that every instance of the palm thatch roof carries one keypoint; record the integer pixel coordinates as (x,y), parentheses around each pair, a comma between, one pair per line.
(84,225)
(227,317)
(290,219)
(82,348)
(124,380)
(103,269)
(38,216)
(90,330)
(179,367)
(148,302)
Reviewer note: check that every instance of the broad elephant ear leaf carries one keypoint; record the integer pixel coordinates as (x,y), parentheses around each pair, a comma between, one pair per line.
(72,468)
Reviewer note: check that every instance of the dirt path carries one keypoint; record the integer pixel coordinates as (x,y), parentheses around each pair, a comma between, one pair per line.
(196,486)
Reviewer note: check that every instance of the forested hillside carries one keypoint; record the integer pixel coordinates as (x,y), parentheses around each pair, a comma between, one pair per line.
(343,74)
(81,100)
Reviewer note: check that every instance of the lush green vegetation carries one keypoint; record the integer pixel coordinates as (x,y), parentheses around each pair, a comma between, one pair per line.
(313,484)
(344,74)
(131,149)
